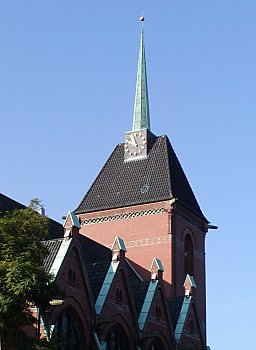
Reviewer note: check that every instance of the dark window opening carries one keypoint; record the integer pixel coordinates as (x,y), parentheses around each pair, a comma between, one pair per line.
(115,341)
(119,296)
(158,312)
(155,346)
(71,277)
(191,327)
(67,332)
(189,256)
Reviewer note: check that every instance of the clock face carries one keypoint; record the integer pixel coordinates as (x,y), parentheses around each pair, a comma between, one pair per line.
(135,144)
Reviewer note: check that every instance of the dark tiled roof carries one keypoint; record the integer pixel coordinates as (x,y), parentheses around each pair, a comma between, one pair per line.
(97,259)
(94,252)
(132,275)
(174,305)
(7,204)
(119,183)
(55,230)
(96,273)
(137,286)
(139,291)
(53,247)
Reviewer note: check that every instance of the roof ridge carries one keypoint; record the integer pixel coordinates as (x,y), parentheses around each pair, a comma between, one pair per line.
(168,164)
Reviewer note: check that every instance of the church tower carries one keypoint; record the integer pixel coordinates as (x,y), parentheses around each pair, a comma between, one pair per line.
(142,195)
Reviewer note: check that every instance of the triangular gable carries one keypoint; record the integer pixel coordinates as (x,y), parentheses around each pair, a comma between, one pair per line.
(158,316)
(116,290)
(156,265)
(68,268)
(71,221)
(188,329)
(189,281)
(118,244)
(70,259)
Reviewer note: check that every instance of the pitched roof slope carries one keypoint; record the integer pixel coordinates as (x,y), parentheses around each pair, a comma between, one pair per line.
(53,247)
(174,305)
(94,252)
(8,204)
(155,178)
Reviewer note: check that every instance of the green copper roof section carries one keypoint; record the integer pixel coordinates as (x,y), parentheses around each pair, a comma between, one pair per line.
(120,243)
(147,304)
(106,287)
(60,256)
(191,279)
(141,119)
(74,220)
(182,318)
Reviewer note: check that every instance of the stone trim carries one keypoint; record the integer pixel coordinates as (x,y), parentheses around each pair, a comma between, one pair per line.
(115,217)
(147,241)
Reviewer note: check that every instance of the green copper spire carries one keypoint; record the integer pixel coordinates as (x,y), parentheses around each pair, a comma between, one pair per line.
(141,119)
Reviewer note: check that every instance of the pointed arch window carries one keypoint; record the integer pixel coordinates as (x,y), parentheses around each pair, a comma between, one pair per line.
(115,340)
(189,256)
(156,345)
(67,332)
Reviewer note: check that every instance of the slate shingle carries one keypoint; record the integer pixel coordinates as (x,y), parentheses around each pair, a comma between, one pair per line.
(53,247)
(94,252)
(139,292)
(96,274)
(120,183)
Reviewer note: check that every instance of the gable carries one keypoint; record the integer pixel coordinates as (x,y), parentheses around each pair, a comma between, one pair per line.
(157,323)
(116,298)
(71,276)
(191,336)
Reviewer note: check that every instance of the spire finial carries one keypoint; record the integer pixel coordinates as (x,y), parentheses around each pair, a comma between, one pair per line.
(141,118)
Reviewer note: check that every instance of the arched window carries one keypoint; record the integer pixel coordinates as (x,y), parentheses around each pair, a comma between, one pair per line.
(115,340)
(189,256)
(67,332)
(155,346)
(71,277)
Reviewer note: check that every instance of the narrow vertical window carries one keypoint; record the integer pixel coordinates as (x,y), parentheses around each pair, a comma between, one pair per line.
(189,256)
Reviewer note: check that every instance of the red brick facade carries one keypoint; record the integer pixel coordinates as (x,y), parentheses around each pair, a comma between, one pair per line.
(160,234)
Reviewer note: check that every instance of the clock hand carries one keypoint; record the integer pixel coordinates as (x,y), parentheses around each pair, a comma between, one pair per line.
(134,142)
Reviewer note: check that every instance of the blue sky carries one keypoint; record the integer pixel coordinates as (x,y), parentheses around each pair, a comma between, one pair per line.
(68,72)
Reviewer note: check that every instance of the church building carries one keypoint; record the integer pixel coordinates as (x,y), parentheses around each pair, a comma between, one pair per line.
(131,259)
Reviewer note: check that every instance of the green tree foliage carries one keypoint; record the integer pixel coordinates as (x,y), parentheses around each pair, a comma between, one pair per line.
(23,280)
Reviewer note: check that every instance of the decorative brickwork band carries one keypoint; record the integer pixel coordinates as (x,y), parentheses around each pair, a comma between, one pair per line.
(122,216)
(190,221)
(147,241)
